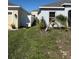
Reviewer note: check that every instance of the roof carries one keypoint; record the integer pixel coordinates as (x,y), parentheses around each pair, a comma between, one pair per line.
(34,10)
(58,3)
(55,6)
(11,4)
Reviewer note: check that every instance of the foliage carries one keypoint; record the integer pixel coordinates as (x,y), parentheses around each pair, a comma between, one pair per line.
(35,22)
(62,19)
(42,23)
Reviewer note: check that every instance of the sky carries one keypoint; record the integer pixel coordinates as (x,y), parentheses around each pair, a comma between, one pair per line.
(30,5)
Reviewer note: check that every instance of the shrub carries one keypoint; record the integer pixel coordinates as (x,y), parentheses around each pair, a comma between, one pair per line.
(62,19)
(42,23)
(35,22)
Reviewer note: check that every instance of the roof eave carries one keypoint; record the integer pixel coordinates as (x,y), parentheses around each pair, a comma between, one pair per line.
(50,7)
(14,6)
(66,4)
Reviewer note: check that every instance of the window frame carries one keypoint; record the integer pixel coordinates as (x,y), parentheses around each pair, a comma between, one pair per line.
(51,18)
(9,13)
(51,14)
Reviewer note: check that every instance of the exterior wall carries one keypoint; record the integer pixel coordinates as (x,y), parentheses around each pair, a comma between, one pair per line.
(64,12)
(45,14)
(31,19)
(23,19)
(18,17)
(12,19)
(67,10)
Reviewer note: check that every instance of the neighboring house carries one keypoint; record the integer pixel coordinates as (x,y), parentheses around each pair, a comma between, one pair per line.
(52,10)
(35,13)
(17,17)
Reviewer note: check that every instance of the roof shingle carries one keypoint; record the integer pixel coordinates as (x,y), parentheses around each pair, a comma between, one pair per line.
(58,3)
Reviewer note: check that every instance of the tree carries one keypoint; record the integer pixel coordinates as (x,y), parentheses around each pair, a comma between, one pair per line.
(62,19)
(42,23)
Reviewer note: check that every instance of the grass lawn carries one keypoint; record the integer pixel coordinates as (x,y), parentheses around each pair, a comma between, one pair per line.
(34,44)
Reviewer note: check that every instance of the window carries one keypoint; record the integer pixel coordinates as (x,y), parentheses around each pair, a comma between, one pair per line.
(9,12)
(52,14)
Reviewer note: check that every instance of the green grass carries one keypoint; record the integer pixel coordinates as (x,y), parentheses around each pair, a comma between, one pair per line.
(35,44)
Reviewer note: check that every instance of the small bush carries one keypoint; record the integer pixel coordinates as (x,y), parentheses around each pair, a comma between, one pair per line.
(62,19)
(35,22)
(42,24)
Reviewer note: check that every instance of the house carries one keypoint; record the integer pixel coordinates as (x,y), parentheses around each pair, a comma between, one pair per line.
(50,11)
(35,13)
(17,17)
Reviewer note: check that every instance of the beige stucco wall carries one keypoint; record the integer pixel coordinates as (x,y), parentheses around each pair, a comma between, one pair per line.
(12,19)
